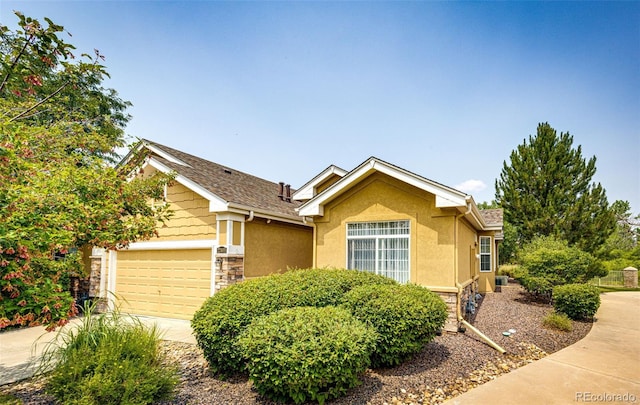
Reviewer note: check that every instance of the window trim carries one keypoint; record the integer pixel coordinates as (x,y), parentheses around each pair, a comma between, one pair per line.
(377,238)
(481,254)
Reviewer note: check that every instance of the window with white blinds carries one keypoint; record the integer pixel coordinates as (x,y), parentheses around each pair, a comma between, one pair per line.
(485,253)
(379,247)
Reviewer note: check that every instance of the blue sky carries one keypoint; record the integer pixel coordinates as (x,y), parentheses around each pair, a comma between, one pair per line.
(447,90)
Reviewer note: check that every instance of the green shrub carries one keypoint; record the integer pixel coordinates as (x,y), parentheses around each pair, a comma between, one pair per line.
(306,353)
(406,317)
(578,301)
(558,320)
(537,285)
(226,314)
(108,359)
(547,262)
(509,270)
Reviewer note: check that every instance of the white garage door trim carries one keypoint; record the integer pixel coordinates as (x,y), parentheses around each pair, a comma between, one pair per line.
(173,244)
(159,245)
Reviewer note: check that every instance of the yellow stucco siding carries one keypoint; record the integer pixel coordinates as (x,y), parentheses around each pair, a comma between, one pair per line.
(383,198)
(237,233)
(273,247)
(467,261)
(191,217)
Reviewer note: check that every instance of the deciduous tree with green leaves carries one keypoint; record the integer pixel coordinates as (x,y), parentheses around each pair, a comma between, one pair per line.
(59,129)
(547,189)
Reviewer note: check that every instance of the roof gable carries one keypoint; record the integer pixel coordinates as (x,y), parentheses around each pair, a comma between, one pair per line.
(226,189)
(308,191)
(445,196)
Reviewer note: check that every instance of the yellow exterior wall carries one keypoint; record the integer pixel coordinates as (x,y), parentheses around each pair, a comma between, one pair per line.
(237,233)
(467,261)
(274,247)
(222,237)
(383,198)
(191,218)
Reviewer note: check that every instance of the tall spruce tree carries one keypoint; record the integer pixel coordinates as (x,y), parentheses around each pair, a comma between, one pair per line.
(546,189)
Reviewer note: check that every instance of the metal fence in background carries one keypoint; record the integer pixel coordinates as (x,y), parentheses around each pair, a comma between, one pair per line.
(615,278)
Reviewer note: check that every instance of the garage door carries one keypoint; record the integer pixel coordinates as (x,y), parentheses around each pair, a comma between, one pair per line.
(170,284)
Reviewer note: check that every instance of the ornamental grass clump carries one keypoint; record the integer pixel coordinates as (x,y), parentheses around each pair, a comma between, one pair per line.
(108,359)
(306,353)
(405,317)
(226,314)
(558,321)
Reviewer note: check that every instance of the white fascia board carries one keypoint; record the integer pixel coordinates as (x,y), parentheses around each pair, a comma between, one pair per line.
(314,207)
(230,216)
(173,244)
(131,154)
(292,219)
(306,192)
(215,203)
(444,197)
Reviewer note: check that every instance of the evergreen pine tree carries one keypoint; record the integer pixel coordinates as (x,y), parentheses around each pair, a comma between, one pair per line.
(546,189)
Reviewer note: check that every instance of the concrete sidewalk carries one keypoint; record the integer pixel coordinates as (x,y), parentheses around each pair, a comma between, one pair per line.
(20,349)
(604,367)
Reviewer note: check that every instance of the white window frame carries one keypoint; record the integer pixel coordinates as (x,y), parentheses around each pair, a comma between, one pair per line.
(485,254)
(405,275)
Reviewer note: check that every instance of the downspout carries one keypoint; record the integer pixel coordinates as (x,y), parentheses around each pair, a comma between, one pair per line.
(251,214)
(460,287)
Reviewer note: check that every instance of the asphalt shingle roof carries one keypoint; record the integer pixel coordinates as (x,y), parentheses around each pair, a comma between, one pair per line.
(492,216)
(229,184)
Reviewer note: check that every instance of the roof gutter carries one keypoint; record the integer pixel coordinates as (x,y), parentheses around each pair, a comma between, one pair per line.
(247,210)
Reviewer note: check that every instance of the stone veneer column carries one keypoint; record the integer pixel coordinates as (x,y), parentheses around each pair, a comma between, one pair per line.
(94,284)
(451,299)
(229,270)
(630,277)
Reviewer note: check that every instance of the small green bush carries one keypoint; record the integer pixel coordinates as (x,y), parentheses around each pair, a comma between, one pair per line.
(108,359)
(306,353)
(559,321)
(406,317)
(541,286)
(226,314)
(509,270)
(578,301)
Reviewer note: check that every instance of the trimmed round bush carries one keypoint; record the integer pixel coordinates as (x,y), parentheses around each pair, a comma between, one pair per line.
(406,317)
(578,301)
(306,353)
(226,314)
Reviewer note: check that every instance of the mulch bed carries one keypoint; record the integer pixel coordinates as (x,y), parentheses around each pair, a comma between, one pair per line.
(448,366)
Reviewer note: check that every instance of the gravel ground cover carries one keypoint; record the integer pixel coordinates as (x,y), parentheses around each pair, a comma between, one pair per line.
(448,366)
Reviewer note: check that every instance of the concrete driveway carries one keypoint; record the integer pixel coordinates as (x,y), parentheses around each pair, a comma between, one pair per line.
(604,367)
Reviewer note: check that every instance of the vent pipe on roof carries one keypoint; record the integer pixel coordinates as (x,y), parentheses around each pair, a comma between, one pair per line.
(287,189)
(281,190)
